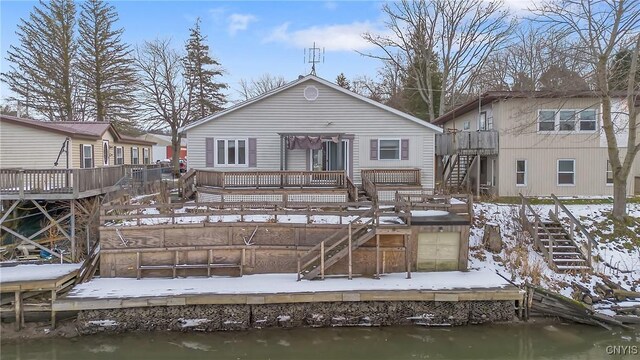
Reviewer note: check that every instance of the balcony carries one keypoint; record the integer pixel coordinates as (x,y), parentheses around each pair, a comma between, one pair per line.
(467,143)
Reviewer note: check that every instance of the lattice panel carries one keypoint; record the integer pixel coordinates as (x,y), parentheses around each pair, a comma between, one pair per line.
(314,197)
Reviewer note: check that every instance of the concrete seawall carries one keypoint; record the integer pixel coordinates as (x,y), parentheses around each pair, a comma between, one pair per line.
(226,317)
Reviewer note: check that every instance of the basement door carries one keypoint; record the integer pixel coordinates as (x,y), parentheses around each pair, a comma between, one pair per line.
(438,251)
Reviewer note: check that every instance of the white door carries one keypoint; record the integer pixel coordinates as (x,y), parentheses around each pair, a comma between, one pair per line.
(438,251)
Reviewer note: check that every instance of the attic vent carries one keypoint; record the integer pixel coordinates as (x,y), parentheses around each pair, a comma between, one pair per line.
(311,93)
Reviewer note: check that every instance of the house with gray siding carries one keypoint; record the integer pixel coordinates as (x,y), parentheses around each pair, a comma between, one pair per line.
(311,124)
(532,143)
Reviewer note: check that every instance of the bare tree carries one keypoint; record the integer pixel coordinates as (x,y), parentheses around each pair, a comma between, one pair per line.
(459,34)
(256,87)
(599,30)
(165,97)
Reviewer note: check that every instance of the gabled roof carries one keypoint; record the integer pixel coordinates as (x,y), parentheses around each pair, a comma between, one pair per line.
(92,130)
(321,81)
(491,96)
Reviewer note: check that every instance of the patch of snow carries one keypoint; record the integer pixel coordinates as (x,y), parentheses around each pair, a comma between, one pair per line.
(429,213)
(35,272)
(102,323)
(185,323)
(284,318)
(281,283)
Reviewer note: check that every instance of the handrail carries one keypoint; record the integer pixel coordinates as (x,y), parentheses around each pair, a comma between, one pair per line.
(578,225)
(538,223)
(270,178)
(351,189)
(186,181)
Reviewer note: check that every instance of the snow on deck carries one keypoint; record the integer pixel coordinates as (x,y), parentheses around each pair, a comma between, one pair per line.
(110,288)
(35,272)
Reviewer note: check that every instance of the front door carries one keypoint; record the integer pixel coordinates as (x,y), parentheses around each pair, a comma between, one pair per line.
(328,158)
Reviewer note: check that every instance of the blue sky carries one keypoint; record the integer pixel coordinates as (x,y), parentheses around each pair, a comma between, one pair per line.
(249,38)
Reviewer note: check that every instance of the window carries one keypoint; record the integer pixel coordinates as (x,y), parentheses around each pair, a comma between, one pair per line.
(135,156)
(567,120)
(388,149)
(546,120)
(145,156)
(119,150)
(588,120)
(87,156)
(482,121)
(566,172)
(232,152)
(466,125)
(521,172)
(609,173)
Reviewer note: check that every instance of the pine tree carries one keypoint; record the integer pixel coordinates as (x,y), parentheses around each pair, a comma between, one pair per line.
(41,66)
(106,66)
(342,81)
(200,73)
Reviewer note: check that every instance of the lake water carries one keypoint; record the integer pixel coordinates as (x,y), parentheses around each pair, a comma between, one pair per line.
(529,341)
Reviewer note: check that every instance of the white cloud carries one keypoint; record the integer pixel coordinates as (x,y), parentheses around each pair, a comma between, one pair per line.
(240,22)
(343,37)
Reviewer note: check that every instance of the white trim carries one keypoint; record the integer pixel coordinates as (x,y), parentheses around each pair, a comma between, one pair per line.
(556,122)
(565,172)
(137,157)
(399,149)
(148,156)
(526,173)
(93,161)
(323,82)
(226,147)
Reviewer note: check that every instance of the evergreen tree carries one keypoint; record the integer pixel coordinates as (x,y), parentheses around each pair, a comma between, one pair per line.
(619,79)
(423,78)
(41,66)
(342,81)
(106,66)
(200,73)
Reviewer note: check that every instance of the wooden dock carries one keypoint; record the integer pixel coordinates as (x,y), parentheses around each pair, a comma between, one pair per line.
(16,280)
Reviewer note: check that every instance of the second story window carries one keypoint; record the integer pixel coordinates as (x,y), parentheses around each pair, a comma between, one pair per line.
(567,120)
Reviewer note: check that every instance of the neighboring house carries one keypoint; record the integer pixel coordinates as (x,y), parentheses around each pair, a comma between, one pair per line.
(312,124)
(162,149)
(32,144)
(535,143)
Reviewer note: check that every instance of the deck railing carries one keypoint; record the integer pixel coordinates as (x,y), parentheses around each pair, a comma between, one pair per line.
(467,143)
(73,182)
(270,179)
(393,176)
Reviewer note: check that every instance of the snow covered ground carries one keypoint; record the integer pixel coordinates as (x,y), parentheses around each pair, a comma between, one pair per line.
(34,272)
(109,288)
(519,261)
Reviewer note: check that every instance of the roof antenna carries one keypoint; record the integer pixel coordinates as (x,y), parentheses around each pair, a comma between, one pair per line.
(314,56)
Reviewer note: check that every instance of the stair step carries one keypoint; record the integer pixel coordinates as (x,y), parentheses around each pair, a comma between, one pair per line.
(572,267)
(560,247)
(566,253)
(569,260)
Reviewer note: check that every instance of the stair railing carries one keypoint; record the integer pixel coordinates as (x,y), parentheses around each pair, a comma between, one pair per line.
(331,243)
(534,229)
(574,223)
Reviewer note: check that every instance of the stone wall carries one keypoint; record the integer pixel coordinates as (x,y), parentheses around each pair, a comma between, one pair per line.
(242,317)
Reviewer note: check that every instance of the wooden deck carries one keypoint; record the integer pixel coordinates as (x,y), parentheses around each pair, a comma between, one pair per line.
(467,143)
(68,184)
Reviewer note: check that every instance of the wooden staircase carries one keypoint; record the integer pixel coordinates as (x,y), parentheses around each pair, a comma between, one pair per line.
(565,254)
(456,170)
(553,241)
(341,244)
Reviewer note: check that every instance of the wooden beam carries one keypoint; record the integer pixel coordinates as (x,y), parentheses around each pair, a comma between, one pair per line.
(19,310)
(350,255)
(30,241)
(377,256)
(72,204)
(44,211)
(13,206)
(53,312)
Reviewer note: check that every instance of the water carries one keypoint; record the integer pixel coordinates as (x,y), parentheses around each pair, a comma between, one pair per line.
(558,342)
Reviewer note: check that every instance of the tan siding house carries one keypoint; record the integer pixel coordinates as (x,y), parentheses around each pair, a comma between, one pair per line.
(546,144)
(32,144)
(275,132)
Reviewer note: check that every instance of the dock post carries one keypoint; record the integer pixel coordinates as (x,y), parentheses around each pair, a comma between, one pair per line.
(322,260)
(19,310)
(72,221)
(406,256)
(350,256)
(53,312)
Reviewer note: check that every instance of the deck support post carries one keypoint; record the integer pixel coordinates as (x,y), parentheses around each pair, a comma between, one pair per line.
(53,312)
(72,231)
(377,256)
(407,252)
(478,166)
